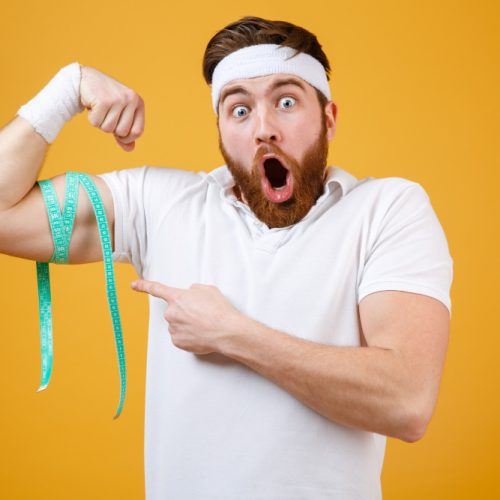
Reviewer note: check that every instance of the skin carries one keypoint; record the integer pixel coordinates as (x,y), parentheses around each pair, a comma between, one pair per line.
(389,385)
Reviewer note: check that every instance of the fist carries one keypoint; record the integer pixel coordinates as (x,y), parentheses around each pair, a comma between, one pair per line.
(113,107)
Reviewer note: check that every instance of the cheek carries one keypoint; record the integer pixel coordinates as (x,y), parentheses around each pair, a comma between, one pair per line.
(305,136)
(235,142)
(299,139)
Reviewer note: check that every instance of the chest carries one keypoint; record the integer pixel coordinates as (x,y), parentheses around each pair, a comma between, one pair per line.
(302,279)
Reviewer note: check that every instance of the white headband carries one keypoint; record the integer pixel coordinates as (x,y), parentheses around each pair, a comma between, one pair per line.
(267,59)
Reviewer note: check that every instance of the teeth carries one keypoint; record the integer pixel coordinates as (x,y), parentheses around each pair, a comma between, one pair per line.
(280,188)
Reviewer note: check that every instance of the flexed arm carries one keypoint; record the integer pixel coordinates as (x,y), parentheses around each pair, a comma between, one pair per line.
(113,107)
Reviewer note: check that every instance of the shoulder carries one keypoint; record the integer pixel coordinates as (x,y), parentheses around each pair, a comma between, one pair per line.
(390,193)
(377,202)
(149,173)
(386,187)
(149,179)
(373,187)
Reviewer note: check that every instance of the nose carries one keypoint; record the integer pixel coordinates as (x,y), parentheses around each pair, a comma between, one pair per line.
(267,129)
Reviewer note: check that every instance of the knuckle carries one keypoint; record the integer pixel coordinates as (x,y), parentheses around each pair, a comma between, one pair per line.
(119,100)
(122,132)
(124,97)
(132,97)
(107,127)
(136,131)
(106,102)
(93,120)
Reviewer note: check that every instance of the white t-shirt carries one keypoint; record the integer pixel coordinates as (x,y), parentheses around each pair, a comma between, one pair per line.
(216,430)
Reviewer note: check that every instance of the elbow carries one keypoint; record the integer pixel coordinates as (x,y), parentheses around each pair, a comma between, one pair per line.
(414,430)
(414,421)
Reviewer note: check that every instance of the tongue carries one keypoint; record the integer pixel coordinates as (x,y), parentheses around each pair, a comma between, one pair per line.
(278,195)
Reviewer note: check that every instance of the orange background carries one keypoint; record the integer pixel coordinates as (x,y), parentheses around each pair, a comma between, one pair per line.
(416,84)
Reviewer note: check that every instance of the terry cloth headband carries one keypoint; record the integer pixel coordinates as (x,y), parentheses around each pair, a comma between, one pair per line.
(267,59)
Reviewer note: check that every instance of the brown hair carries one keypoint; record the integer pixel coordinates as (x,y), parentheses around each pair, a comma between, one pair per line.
(255,30)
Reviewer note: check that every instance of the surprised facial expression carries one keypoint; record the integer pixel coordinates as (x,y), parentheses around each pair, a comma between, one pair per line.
(273,135)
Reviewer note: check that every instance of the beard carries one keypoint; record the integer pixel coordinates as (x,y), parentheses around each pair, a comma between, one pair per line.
(308,182)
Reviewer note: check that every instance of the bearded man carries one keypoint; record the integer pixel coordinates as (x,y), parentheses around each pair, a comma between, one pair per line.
(298,315)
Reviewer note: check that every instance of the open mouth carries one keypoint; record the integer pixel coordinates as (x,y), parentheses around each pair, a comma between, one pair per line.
(275,172)
(277,180)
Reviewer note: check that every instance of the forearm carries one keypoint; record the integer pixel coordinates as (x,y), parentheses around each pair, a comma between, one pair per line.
(22,151)
(360,387)
(24,141)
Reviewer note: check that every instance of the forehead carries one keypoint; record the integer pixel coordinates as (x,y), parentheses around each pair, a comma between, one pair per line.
(264,84)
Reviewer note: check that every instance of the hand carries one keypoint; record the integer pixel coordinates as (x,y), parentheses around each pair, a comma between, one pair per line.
(198,318)
(112,107)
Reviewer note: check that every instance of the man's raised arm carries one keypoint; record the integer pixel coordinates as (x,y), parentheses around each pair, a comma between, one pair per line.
(24,226)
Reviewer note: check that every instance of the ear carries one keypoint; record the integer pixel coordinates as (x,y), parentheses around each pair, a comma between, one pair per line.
(331,119)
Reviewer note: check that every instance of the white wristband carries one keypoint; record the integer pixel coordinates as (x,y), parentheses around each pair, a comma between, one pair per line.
(55,104)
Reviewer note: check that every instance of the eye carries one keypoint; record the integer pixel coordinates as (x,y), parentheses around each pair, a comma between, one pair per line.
(239,111)
(286,102)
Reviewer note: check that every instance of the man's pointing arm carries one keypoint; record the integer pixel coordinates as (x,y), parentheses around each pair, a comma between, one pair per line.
(388,386)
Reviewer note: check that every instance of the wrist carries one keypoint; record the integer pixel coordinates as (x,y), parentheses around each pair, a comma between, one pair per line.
(239,335)
(55,104)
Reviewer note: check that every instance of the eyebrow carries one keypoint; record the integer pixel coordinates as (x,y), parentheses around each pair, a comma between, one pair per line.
(242,90)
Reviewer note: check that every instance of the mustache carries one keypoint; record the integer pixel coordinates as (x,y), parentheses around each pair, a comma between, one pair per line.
(266,149)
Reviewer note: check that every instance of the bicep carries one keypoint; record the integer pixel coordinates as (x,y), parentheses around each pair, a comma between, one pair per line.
(416,328)
(25,230)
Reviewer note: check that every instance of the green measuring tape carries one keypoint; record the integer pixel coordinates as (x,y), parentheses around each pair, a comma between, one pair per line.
(61,226)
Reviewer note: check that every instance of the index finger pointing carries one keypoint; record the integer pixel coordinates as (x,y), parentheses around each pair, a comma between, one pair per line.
(167,293)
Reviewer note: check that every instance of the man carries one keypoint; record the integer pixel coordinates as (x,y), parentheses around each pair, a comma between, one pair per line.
(297,315)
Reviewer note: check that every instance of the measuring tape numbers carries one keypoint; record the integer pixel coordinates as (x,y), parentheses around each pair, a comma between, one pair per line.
(61,226)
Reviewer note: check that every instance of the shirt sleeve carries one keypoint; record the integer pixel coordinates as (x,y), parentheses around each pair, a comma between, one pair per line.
(130,239)
(141,198)
(408,250)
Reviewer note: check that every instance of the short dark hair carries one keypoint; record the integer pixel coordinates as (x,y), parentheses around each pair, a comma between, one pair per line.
(254,31)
